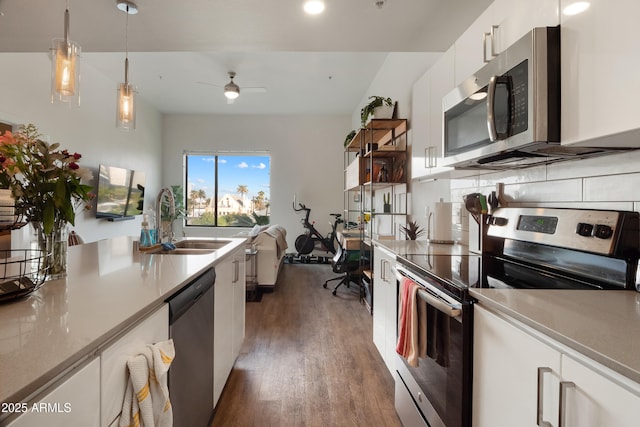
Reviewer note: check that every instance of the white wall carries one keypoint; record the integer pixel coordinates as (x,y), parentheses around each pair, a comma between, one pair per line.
(395,80)
(89,130)
(306,160)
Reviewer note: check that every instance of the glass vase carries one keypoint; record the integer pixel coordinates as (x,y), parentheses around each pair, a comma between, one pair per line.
(54,246)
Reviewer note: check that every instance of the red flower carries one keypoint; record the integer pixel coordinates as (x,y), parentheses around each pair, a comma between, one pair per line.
(73,166)
(77,156)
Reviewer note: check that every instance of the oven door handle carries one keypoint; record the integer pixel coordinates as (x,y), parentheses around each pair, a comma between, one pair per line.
(438,304)
(431,295)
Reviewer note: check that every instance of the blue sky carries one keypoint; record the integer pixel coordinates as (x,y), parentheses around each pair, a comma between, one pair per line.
(252,171)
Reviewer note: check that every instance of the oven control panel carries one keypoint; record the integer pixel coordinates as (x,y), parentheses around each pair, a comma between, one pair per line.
(581,229)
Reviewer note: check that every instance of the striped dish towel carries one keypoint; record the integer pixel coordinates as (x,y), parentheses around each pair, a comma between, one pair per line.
(407,346)
(146,400)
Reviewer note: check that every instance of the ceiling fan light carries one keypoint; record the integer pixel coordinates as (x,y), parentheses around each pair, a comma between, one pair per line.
(314,7)
(231,90)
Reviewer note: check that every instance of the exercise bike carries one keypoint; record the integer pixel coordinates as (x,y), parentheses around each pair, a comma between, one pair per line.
(306,242)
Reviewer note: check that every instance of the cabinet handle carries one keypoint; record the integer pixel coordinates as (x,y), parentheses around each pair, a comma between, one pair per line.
(562,412)
(383,273)
(484,46)
(492,36)
(430,154)
(539,407)
(493,40)
(236,271)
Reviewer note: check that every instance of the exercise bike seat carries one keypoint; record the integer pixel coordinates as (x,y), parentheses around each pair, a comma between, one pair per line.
(336,215)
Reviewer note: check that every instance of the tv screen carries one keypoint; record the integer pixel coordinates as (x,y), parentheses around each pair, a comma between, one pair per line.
(120,192)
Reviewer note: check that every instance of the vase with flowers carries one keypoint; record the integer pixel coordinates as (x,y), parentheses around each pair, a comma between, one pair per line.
(46,184)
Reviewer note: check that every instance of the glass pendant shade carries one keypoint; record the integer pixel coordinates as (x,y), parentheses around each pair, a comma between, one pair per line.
(65,68)
(126,110)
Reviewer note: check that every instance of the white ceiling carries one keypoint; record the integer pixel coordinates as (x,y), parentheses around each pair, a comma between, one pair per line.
(179,49)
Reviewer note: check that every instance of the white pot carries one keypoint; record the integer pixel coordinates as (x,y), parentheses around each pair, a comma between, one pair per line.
(383,112)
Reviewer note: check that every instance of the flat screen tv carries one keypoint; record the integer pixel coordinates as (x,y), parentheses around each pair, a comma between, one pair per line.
(120,193)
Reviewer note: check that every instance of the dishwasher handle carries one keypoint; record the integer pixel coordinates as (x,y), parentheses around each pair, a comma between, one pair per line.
(181,301)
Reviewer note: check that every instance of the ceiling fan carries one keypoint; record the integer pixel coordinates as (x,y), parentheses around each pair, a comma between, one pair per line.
(232,90)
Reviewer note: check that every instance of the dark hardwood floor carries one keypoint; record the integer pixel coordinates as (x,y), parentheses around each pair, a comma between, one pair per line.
(308,360)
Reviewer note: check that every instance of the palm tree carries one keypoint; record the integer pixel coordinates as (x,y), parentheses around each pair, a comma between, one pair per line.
(193,199)
(242,190)
(201,196)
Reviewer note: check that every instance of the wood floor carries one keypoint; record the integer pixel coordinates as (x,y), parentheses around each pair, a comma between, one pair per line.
(308,360)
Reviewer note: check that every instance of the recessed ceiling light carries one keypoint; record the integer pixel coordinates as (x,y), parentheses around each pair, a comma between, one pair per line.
(314,7)
(576,8)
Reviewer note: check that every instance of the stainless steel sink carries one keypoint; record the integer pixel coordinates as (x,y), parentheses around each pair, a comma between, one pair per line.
(193,247)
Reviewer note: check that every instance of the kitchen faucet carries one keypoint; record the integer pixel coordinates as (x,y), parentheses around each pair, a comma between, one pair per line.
(172,211)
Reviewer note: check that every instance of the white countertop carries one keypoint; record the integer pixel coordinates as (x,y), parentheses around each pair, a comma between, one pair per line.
(108,287)
(602,325)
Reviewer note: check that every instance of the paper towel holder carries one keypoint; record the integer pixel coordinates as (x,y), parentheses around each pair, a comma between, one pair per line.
(435,241)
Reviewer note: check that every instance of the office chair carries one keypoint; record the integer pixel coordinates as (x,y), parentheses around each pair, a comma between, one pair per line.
(347,263)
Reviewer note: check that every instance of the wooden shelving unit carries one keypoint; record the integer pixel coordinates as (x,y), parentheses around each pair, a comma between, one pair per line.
(375,160)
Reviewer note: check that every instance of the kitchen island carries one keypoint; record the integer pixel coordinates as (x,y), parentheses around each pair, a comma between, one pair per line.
(109,288)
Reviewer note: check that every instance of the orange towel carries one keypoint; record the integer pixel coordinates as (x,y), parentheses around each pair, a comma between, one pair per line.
(408,322)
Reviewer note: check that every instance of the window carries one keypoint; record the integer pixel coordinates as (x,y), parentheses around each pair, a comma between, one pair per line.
(227,189)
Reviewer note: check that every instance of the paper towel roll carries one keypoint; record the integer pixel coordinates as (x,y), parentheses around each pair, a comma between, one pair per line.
(442,223)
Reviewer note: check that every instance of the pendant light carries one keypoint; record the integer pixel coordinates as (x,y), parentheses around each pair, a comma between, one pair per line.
(65,67)
(126,106)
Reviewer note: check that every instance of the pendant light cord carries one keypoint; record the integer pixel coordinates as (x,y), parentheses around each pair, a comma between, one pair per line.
(126,49)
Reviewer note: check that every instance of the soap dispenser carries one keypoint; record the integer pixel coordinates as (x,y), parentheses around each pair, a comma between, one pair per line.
(145,233)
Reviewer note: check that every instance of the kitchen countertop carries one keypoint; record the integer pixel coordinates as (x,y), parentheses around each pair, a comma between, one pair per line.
(602,325)
(109,286)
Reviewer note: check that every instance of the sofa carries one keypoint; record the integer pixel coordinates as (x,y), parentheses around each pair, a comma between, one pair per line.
(271,243)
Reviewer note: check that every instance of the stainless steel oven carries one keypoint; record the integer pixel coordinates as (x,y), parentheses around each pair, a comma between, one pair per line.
(436,391)
(522,248)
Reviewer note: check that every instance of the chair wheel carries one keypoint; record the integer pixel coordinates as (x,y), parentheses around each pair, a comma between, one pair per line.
(333,292)
(325,285)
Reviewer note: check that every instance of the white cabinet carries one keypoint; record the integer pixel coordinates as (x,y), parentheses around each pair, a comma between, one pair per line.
(426,113)
(113,362)
(593,400)
(505,374)
(515,18)
(470,50)
(75,402)
(501,24)
(514,366)
(228,319)
(385,297)
(600,84)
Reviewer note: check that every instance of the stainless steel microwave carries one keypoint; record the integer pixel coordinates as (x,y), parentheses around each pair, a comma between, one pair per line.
(507,115)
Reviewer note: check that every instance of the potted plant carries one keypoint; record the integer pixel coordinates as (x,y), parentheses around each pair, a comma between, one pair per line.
(412,230)
(379,108)
(386,198)
(349,137)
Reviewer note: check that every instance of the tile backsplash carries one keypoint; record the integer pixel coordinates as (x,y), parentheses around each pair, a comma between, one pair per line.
(609,182)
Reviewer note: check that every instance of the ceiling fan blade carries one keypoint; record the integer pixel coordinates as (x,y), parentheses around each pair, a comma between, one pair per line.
(253,89)
(208,84)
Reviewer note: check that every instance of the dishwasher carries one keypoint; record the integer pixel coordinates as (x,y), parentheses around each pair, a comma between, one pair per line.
(191,372)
